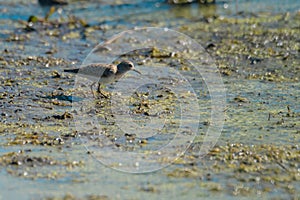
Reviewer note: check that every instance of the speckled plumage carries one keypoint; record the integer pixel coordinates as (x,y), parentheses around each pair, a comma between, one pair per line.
(104,73)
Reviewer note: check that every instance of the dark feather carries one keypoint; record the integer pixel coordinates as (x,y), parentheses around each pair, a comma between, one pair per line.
(71,70)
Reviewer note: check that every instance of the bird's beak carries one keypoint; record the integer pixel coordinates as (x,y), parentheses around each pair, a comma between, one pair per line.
(137,71)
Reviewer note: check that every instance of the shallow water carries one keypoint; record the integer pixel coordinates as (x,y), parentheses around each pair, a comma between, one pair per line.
(261,115)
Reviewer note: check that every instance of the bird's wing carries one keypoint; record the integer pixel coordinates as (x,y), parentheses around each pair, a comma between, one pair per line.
(96,69)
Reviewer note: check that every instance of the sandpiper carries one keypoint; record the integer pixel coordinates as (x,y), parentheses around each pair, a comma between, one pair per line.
(104,73)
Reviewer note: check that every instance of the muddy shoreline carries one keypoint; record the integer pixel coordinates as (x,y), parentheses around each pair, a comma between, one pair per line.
(257,154)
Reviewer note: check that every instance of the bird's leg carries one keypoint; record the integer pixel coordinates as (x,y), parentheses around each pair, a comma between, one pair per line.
(99,90)
(93,90)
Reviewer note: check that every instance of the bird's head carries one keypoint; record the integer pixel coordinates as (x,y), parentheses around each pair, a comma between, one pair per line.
(126,65)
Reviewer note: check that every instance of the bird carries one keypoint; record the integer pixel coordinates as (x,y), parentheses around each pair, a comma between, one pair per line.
(104,73)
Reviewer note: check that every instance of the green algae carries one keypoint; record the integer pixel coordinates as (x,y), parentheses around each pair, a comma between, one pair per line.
(267,42)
